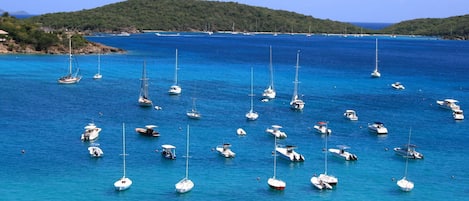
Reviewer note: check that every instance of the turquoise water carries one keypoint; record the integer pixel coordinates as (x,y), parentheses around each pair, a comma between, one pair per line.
(46,119)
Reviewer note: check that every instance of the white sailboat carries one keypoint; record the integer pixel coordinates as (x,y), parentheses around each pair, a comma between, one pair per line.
(98,75)
(269,92)
(296,103)
(143,99)
(123,183)
(251,115)
(175,89)
(185,185)
(324,180)
(404,184)
(193,114)
(70,78)
(273,182)
(376,73)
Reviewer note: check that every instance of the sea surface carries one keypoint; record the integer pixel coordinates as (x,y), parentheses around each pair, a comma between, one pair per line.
(41,121)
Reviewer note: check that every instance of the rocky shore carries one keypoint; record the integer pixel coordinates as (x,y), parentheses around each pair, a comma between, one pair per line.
(10,47)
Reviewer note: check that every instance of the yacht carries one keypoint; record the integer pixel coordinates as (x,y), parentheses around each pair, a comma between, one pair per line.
(149,130)
(376,73)
(269,92)
(378,128)
(321,127)
(397,85)
(251,115)
(296,103)
(241,132)
(341,153)
(275,131)
(408,151)
(458,114)
(351,115)
(175,89)
(225,150)
(168,151)
(449,104)
(70,78)
(289,153)
(91,132)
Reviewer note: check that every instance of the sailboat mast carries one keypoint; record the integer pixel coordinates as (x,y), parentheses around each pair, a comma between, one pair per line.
(295,93)
(70,55)
(376,55)
(325,160)
(187,153)
(123,145)
(176,70)
(99,62)
(271,69)
(252,93)
(144,81)
(275,155)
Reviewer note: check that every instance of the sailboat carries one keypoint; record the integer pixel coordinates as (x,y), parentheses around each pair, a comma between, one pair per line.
(70,78)
(296,103)
(251,115)
(269,92)
(193,114)
(404,184)
(185,185)
(143,99)
(324,180)
(123,183)
(98,75)
(273,182)
(376,73)
(175,89)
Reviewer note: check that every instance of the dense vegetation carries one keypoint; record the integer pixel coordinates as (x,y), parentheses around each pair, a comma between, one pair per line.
(189,15)
(23,34)
(451,28)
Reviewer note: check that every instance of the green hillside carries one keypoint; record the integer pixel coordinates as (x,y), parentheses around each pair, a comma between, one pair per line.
(189,15)
(449,28)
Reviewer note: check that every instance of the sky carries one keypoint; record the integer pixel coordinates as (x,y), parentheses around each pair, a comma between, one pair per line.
(384,11)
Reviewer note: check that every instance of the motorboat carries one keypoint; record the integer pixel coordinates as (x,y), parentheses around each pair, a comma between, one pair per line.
(185,184)
(321,127)
(351,115)
(225,150)
(289,153)
(408,151)
(378,128)
(296,103)
(91,132)
(397,85)
(275,131)
(70,78)
(168,151)
(175,89)
(143,98)
(376,73)
(193,113)
(269,92)
(274,182)
(95,151)
(251,115)
(342,153)
(124,182)
(320,184)
(241,132)
(458,114)
(149,130)
(450,104)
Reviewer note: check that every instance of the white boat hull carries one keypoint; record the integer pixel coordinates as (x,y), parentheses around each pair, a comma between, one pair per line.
(343,154)
(144,102)
(252,116)
(269,93)
(225,152)
(122,184)
(95,152)
(322,130)
(276,133)
(405,185)
(241,132)
(380,130)
(175,90)
(320,184)
(276,184)
(184,186)
(290,155)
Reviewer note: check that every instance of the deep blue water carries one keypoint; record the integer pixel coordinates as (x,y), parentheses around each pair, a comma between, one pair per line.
(46,119)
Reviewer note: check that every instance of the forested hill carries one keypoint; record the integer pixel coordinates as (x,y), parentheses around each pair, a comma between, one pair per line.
(449,28)
(189,15)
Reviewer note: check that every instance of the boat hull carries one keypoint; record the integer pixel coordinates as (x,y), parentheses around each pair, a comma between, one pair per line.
(122,184)
(343,154)
(184,186)
(290,154)
(405,185)
(276,184)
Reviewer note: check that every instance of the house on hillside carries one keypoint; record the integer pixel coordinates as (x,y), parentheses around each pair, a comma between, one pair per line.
(3,35)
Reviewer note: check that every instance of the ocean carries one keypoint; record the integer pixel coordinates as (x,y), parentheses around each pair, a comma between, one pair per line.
(41,121)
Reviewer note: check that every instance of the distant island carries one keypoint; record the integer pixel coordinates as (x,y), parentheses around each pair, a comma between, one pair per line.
(47,33)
